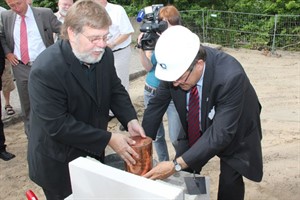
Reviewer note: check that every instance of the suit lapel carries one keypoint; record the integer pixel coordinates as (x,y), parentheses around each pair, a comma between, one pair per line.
(100,73)
(207,82)
(10,27)
(39,22)
(75,68)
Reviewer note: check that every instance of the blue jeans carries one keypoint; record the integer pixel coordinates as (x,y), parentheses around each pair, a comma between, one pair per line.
(174,126)
(160,143)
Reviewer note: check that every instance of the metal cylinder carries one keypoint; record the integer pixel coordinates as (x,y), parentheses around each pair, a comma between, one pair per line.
(143,147)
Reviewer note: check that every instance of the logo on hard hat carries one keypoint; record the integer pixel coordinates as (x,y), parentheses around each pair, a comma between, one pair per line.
(164,66)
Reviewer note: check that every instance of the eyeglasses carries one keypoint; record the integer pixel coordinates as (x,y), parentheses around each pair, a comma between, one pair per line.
(190,71)
(96,39)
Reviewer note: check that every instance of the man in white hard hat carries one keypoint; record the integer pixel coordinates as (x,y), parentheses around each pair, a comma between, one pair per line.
(227,119)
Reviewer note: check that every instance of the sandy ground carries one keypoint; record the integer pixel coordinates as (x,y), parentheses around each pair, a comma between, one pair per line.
(276,79)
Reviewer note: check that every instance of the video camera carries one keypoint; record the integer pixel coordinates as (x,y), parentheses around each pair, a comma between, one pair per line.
(151,26)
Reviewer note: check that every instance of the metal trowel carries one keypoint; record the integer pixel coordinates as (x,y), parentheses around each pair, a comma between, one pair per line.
(195,185)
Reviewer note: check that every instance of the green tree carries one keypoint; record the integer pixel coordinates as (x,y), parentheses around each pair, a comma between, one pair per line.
(250,6)
(282,7)
(3,4)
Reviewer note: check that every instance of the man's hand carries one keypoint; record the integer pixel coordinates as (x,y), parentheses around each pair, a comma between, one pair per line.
(135,129)
(121,144)
(162,171)
(12,59)
(165,169)
(140,38)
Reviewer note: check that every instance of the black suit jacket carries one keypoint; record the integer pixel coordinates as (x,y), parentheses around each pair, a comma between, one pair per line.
(230,117)
(67,118)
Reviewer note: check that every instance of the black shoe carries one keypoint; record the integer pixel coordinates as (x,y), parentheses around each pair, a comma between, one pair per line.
(6,155)
(110,118)
(121,128)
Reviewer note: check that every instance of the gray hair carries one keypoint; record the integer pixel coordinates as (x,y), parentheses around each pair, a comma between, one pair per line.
(85,13)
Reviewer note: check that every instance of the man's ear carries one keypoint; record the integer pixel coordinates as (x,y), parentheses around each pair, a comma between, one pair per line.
(200,64)
(71,34)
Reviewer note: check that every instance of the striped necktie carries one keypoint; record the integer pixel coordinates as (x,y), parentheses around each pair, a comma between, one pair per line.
(24,42)
(193,117)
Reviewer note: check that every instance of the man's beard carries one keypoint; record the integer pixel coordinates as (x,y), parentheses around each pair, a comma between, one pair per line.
(87,57)
(63,12)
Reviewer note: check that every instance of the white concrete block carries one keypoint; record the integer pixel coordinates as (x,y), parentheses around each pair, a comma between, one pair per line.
(93,180)
(69,197)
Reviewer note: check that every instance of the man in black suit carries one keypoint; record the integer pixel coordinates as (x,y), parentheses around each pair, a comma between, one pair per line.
(5,155)
(72,86)
(228,118)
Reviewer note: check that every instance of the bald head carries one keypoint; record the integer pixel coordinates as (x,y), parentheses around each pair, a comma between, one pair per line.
(18,6)
(63,6)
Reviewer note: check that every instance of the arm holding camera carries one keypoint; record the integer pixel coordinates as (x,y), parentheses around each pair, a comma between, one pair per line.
(145,55)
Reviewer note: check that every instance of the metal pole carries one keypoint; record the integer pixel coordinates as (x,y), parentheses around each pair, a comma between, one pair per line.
(205,40)
(203,23)
(274,35)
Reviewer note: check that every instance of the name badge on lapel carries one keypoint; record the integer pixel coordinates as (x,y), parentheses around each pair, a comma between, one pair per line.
(212,113)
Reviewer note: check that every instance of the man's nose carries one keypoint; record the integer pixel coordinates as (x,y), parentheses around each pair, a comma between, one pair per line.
(101,43)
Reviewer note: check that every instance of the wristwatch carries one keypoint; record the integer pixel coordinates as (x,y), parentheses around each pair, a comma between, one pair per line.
(176,166)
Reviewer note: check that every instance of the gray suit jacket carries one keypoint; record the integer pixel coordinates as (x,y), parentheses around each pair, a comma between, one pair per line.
(47,24)
(230,117)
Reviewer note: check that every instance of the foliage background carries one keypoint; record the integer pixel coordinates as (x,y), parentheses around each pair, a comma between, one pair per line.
(234,27)
(271,7)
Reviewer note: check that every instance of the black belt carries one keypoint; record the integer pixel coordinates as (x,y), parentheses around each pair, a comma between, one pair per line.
(150,89)
(120,49)
(28,64)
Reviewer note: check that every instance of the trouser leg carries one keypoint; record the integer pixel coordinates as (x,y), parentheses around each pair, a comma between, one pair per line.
(122,64)
(159,143)
(231,184)
(21,73)
(2,136)
(54,196)
(174,124)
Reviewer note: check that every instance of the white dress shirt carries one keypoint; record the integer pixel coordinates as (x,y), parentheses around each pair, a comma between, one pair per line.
(35,42)
(120,24)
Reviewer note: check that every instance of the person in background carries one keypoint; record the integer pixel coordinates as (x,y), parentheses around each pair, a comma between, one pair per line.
(4,155)
(39,24)
(170,16)
(72,86)
(8,84)
(121,30)
(63,6)
(218,108)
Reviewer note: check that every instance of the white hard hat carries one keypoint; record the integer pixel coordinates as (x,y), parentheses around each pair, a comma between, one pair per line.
(175,51)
